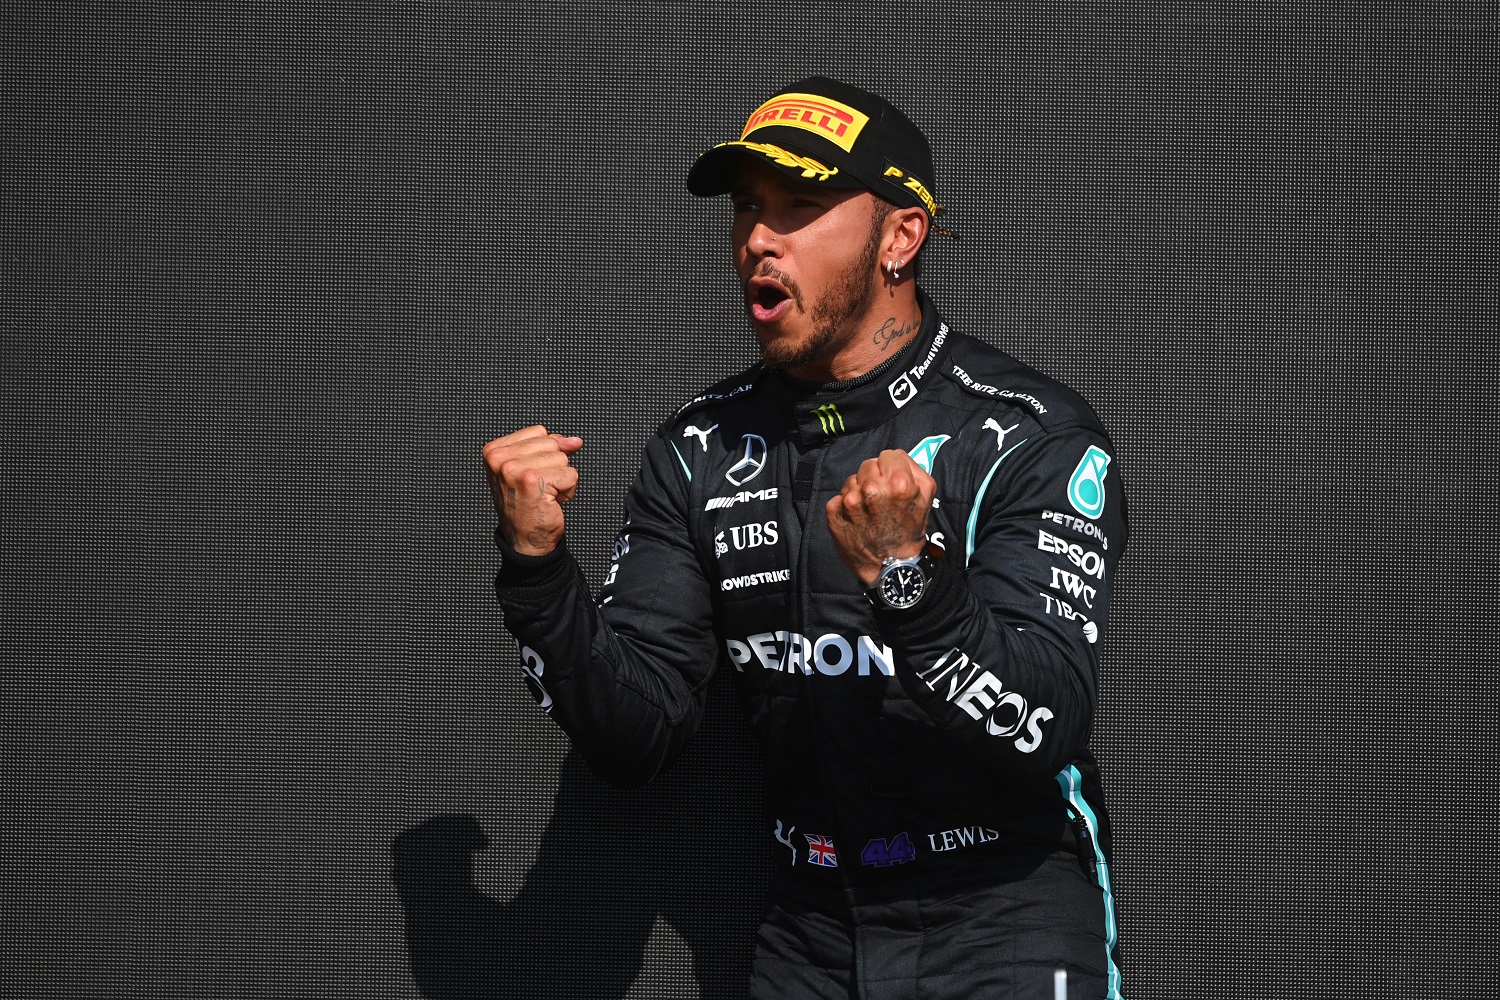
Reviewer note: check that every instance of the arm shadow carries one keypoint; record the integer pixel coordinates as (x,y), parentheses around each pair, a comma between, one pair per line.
(689,848)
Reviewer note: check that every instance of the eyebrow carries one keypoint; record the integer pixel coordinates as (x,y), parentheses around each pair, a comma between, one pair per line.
(785,185)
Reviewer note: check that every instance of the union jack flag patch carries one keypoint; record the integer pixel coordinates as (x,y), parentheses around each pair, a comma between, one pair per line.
(820,851)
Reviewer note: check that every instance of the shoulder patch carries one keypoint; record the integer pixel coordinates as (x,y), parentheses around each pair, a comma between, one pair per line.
(718,393)
(980,388)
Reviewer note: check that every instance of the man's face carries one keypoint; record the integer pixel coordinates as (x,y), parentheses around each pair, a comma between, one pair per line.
(808,260)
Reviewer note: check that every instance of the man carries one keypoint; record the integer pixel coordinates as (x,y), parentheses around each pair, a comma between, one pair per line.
(902,541)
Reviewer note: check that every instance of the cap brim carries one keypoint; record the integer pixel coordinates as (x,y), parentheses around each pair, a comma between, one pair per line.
(716,171)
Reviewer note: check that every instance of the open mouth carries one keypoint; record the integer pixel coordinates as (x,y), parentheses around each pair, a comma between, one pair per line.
(768,299)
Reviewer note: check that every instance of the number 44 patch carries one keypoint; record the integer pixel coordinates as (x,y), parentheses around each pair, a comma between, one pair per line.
(880,853)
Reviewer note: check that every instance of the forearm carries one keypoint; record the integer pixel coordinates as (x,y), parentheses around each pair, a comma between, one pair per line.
(1018,700)
(629,697)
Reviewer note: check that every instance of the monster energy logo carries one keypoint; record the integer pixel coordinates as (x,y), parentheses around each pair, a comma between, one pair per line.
(828,417)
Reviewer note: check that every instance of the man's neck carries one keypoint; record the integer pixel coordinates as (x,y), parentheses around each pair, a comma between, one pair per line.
(879,336)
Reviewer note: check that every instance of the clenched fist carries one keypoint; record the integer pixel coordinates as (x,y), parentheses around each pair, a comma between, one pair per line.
(881,512)
(530,479)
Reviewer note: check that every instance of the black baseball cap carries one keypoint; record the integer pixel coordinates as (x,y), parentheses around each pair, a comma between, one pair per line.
(830,133)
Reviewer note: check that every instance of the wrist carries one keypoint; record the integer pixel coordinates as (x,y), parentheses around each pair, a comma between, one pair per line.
(902,582)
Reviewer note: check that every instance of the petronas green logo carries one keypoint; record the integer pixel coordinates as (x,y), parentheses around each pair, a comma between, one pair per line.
(925,453)
(1086,488)
(828,417)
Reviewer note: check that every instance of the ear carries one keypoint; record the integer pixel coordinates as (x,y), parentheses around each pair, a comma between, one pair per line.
(905,232)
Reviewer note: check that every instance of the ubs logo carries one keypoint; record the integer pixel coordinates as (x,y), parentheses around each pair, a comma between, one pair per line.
(749,466)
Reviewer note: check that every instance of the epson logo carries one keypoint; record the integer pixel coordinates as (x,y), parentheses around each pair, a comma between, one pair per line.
(829,655)
(1086,560)
(718,503)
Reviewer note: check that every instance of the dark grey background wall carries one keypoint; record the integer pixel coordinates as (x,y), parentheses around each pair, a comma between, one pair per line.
(269,279)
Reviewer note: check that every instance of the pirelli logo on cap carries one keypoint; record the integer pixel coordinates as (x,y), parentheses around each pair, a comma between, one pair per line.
(838,123)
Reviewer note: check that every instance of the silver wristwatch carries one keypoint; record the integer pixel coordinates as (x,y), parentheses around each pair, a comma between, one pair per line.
(901,583)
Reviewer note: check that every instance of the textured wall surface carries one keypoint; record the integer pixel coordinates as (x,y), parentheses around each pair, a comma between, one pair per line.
(268,281)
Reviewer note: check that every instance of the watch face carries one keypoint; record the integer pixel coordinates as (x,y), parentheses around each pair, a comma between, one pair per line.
(902,586)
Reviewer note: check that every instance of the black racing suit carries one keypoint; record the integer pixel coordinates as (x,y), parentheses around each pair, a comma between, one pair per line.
(910,755)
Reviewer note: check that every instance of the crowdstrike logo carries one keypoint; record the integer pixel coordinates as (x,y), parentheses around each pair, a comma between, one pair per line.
(754,580)
(749,466)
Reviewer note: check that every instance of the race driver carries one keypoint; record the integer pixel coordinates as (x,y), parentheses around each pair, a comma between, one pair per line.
(902,542)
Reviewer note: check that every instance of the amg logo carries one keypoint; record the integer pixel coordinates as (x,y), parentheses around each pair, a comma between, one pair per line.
(717,503)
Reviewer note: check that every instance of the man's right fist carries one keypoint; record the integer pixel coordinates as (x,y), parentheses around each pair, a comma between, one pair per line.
(529,479)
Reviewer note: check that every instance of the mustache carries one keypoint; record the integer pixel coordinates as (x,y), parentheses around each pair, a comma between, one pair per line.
(766,269)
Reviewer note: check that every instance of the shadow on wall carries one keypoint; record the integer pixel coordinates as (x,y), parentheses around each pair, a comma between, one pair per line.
(611,862)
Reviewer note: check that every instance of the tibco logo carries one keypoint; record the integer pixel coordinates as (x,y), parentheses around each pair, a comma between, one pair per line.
(830,655)
(1061,608)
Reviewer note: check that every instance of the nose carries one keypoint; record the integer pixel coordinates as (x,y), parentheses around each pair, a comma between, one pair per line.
(763,241)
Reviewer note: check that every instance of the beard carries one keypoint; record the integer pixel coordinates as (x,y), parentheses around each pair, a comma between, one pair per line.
(849,298)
